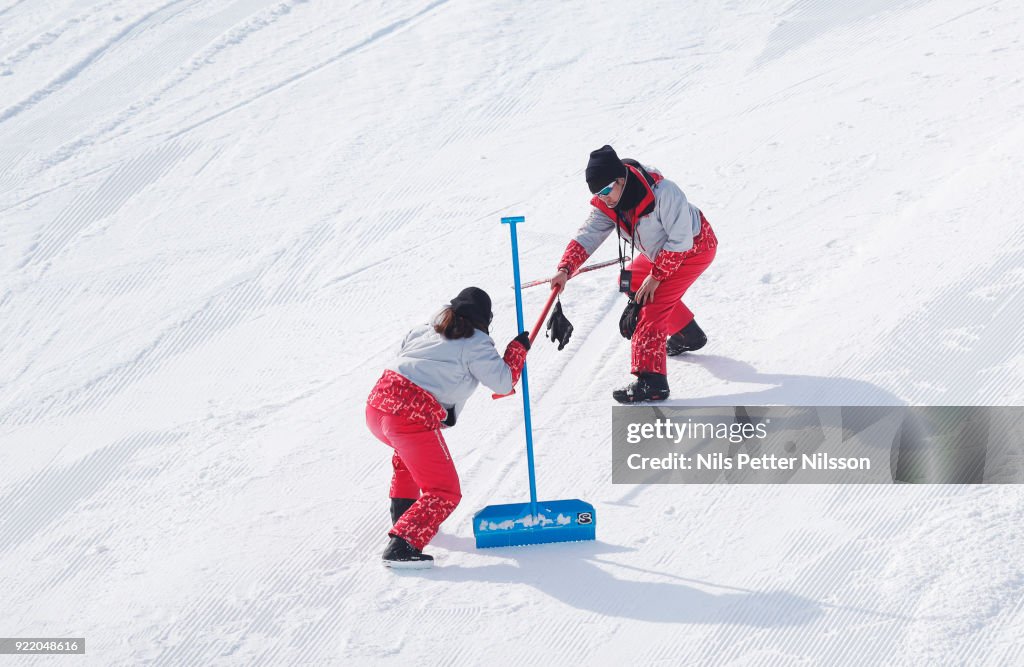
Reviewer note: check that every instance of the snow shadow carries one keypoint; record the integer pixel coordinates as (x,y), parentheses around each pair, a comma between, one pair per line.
(573,574)
(808,20)
(783,388)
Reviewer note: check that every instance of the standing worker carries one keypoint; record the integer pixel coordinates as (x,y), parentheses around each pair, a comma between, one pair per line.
(676,243)
(422,391)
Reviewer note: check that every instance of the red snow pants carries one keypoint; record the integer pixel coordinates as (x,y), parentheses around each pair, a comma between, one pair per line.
(423,470)
(666,313)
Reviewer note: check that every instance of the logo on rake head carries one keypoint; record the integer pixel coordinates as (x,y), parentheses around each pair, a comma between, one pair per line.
(584,518)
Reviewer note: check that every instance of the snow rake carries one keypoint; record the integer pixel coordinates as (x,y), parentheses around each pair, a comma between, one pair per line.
(535,522)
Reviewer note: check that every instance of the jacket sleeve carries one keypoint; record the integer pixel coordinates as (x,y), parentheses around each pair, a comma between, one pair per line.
(489,368)
(666,264)
(515,359)
(573,257)
(588,238)
(674,213)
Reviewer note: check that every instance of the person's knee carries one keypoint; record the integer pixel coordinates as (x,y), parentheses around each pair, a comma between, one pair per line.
(438,503)
(646,328)
(453,495)
(445,487)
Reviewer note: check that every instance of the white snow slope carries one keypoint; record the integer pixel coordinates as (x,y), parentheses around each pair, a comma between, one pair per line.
(218,220)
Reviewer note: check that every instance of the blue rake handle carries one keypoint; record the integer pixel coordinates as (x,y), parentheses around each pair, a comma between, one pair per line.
(512,222)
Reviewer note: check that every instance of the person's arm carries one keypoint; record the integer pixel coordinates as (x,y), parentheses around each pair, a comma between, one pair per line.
(498,373)
(588,238)
(674,213)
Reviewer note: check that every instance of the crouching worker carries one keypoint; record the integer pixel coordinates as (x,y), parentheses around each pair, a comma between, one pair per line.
(421,392)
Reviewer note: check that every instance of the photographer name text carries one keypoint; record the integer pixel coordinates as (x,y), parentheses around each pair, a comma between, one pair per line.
(719,461)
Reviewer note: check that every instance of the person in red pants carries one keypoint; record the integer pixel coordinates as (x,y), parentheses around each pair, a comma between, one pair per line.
(423,391)
(676,242)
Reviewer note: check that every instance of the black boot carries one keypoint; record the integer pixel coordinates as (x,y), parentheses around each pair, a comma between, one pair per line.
(687,339)
(402,555)
(398,507)
(648,387)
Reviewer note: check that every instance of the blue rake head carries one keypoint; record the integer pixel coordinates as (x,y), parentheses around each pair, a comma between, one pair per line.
(515,524)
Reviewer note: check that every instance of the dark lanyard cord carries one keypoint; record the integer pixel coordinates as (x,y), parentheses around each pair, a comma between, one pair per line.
(622,243)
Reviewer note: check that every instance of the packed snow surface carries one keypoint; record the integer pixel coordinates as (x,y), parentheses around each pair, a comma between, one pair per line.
(219,219)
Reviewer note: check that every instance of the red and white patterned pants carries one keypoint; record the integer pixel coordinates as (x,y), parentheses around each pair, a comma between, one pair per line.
(666,313)
(423,470)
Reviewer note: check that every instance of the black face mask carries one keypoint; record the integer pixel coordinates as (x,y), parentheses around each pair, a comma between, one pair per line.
(632,194)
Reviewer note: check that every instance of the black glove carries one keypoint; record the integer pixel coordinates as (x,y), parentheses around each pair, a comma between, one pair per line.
(629,318)
(523,339)
(450,419)
(559,328)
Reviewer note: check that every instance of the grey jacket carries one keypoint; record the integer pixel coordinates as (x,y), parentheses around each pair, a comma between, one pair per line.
(671,225)
(450,370)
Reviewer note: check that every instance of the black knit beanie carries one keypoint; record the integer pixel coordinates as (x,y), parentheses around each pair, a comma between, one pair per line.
(603,168)
(475,305)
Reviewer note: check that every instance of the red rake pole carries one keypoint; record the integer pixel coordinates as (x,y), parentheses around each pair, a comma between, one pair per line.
(535,331)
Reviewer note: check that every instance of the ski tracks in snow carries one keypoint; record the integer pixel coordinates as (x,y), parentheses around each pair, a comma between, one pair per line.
(348,51)
(220,32)
(72,72)
(969,323)
(94,105)
(128,179)
(227,307)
